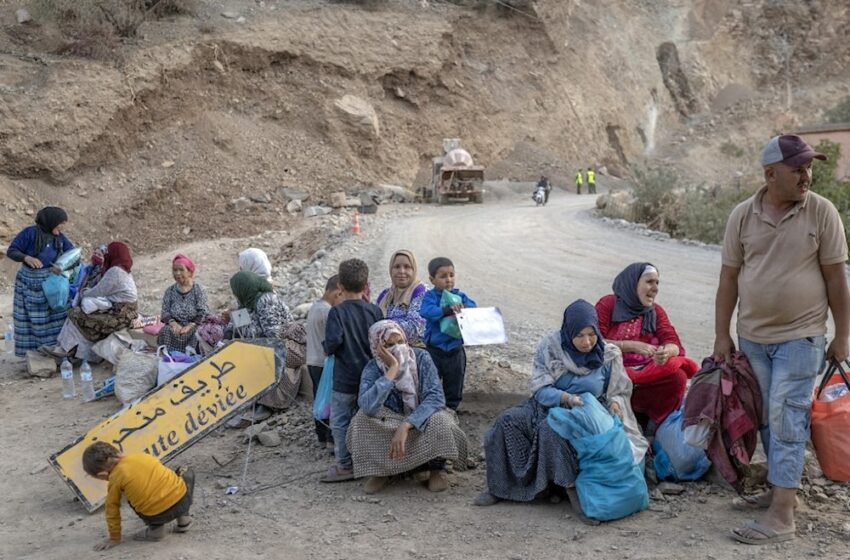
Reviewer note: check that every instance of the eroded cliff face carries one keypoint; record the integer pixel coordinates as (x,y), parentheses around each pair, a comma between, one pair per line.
(254,107)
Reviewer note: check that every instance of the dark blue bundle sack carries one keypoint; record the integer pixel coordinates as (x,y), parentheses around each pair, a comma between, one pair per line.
(609,484)
(674,458)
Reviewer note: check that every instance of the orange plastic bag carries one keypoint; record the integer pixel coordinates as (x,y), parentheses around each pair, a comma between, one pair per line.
(831,425)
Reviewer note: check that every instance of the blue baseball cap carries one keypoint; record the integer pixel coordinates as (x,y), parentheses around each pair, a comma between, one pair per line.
(789,149)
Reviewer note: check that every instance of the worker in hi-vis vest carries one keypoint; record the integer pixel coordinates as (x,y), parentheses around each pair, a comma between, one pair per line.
(591,180)
(579,182)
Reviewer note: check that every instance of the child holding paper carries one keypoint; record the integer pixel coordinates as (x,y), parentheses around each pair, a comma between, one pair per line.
(442,335)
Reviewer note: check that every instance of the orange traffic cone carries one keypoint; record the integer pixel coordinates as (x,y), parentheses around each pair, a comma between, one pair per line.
(355,229)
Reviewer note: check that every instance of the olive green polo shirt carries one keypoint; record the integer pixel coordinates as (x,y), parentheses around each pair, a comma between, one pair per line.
(781,290)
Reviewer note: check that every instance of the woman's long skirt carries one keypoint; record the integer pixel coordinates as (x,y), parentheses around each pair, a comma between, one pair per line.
(35,323)
(524,455)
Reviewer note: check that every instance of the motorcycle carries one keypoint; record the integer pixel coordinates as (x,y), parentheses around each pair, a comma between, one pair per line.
(539,196)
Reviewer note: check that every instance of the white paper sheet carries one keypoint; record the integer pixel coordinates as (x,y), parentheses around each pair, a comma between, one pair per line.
(482,325)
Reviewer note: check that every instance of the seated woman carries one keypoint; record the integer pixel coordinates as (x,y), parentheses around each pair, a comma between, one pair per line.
(107,307)
(403,424)
(652,353)
(184,306)
(401,301)
(256,261)
(524,455)
(269,314)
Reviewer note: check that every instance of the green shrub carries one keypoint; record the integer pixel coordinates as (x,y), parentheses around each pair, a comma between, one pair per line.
(826,184)
(731,149)
(654,195)
(94,27)
(705,213)
(840,113)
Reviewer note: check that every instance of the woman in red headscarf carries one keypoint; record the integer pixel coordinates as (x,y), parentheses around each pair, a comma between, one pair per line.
(107,307)
(184,306)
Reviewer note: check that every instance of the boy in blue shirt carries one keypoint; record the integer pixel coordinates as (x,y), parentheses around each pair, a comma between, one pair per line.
(446,351)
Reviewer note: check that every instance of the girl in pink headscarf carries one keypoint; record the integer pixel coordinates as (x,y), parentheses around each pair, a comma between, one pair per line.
(184,306)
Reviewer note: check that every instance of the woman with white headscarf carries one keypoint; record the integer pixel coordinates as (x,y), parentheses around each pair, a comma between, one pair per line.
(256,261)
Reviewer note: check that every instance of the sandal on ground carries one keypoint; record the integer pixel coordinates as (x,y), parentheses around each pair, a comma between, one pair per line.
(768,535)
(438,481)
(52,352)
(150,535)
(183,527)
(422,476)
(375,484)
(334,474)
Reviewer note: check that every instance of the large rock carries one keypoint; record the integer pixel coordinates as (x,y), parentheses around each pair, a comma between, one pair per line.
(618,204)
(360,114)
(294,206)
(338,199)
(295,194)
(40,366)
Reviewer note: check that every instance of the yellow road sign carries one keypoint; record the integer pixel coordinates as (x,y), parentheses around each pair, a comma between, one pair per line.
(177,414)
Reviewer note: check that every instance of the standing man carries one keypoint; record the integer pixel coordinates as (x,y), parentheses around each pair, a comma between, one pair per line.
(784,259)
(591,181)
(579,182)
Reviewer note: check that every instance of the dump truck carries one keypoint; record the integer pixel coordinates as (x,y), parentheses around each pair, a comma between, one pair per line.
(455,177)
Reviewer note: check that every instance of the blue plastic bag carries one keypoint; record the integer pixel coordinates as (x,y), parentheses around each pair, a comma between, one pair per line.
(57,289)
(674,458)
(609,484)
(580,421)
(322,402)
(448,325)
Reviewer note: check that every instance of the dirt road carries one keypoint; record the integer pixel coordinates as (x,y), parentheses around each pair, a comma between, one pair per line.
(530,262)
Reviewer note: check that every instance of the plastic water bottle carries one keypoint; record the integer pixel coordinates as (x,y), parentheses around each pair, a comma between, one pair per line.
(9,339)
(86,383)
(67,370)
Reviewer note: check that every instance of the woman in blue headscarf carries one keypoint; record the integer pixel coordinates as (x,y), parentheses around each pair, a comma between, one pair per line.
(524,455)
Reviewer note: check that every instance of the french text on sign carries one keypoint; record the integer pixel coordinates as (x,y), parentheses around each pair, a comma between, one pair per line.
(177,414)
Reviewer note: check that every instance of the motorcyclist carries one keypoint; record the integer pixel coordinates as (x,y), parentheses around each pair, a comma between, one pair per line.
(546,187)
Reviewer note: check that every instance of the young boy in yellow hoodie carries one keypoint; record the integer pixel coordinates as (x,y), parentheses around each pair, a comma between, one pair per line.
(156,493)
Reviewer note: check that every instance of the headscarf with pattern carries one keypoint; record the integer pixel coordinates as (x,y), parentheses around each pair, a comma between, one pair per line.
(407,381)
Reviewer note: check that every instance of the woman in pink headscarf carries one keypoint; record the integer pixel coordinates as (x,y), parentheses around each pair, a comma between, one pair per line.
(184,306)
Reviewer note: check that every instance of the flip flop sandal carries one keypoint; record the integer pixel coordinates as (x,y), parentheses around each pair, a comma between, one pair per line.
(146,535)
(769,535)
(333,475)
(178,528)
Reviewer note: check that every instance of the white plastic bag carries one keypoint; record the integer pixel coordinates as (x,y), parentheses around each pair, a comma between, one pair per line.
(169,367)
(135,375)
(91,305)
(113,346)
(698,435)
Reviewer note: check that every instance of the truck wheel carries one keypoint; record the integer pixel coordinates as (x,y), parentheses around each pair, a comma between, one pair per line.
(442,199)
(478,198)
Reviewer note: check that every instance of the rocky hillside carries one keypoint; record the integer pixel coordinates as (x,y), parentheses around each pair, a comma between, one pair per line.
(245,99)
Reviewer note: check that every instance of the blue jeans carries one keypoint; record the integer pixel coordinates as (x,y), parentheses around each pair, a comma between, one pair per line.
(343,409)
(786,374)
